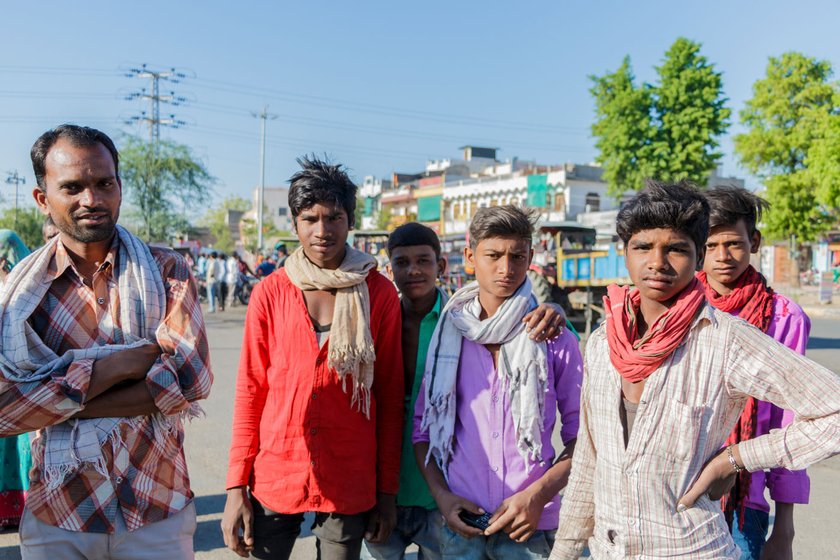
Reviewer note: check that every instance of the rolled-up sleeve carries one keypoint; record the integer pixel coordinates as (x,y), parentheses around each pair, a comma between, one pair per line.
(758,366)
(182,374)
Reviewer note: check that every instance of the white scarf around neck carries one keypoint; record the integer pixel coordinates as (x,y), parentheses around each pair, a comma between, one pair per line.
(351,352)
(521,367)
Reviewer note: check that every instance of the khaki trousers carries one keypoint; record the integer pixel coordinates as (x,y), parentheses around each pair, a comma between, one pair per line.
(170,539)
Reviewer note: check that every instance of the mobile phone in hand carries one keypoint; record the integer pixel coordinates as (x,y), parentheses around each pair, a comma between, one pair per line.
(481,521)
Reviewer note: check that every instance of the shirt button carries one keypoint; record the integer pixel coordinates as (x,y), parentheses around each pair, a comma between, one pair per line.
(100,301)
(495,434)
(495,469)
(313,463)
(118,480)
(495,398)
(314,396)
(632,522)
(318,361)
(313,431)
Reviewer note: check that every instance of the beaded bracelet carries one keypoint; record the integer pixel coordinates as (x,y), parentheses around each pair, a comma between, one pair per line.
(732,460)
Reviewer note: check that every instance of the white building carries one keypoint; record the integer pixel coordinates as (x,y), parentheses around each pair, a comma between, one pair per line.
(561,193)
(275,208)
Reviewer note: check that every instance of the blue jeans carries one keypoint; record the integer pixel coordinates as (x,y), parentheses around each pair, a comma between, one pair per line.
(414,525)
(754,534)
(495,547)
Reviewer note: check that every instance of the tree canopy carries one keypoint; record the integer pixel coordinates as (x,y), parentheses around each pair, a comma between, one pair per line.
(792,142)
(668,130)
(164,185)
(29,227)
(216,220)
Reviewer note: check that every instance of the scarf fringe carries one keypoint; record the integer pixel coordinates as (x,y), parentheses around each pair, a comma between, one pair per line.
(55,475)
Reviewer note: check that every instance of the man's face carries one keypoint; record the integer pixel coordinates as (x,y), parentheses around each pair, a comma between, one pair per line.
(81,192)
(415,269)
(501,264)
(661,263)
(728,250)
(322,230)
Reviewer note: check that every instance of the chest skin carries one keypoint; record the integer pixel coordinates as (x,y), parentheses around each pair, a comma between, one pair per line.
(632,391)
(320,304)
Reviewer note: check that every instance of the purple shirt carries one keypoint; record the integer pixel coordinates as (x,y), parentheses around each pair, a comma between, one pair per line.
(486,467)
(790,326)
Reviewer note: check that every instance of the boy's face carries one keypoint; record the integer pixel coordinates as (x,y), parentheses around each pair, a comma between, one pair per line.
(414,269)
(501,264)
(661,263)
(728,251)
(322,230)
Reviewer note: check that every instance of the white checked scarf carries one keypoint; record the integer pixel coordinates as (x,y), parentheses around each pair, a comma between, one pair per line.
(351,352)
(521,366)
(25,358)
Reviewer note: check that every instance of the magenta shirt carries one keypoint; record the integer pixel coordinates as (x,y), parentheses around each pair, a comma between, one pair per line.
(486,467)
(790,326)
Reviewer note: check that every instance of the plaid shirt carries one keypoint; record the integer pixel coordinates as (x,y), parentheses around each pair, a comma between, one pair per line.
(624,500)
(148,473)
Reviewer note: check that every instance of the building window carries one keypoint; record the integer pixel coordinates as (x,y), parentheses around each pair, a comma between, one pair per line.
(593,202)
(282,211)
(559,202)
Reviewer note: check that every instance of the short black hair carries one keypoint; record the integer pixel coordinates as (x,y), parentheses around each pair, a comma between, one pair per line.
(413,234)
(502,221)
(677,206)
(728,204)
(319,182)
(80,136)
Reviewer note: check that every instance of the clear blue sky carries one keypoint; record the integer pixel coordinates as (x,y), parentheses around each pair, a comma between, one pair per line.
(380,86)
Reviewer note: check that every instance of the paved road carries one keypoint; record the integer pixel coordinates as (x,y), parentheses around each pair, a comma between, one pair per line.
(208,440)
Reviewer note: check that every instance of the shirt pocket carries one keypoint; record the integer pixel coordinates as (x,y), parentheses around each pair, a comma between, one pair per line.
(679,431)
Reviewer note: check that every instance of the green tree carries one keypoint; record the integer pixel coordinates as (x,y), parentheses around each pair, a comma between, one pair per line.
(383,217)
(690,112)
(29,226)
(216,220)
(164,185)
(823,160)
(668,130)
(249,231)
(792,109)
(623,129)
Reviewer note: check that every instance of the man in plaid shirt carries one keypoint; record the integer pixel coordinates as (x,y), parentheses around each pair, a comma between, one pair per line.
(107,356)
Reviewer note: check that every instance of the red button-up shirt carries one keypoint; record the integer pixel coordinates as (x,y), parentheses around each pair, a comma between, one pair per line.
(297,441)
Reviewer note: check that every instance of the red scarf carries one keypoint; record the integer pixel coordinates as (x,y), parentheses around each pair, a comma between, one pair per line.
(752,299)
(636,358)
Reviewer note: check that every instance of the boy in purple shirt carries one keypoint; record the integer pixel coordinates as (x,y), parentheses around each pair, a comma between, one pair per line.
(734,286)
(485,414)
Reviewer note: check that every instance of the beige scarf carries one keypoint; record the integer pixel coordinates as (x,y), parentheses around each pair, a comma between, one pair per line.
(350,344)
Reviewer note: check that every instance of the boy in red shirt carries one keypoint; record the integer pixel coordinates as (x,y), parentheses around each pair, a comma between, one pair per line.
(319,399)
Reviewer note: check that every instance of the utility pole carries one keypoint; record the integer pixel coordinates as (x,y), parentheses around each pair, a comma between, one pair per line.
(155,98)
(263,116)
(15,179)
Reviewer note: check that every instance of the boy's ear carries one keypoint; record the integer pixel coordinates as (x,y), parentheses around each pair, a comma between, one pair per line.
(755,241)
(390,271)
(441,263)
(701,256)
(469,256)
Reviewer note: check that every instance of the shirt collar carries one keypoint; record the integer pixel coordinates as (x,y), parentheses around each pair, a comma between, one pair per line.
(61,260)
(706,314)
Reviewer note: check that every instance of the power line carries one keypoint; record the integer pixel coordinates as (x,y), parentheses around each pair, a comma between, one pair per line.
(14,179)
(155,98)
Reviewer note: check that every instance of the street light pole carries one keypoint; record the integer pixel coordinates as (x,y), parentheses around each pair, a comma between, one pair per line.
(263,116)
(15,179)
